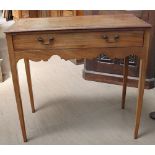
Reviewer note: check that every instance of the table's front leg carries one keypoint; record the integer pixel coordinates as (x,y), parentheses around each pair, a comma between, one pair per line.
(141,85)
(15,78)
(18,97)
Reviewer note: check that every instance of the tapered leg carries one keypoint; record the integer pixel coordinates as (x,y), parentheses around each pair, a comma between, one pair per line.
(28,74)
(141,85)
(18,98)
(13,65)
(125,78)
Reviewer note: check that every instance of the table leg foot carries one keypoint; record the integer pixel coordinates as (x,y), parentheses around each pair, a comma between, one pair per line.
(25,139)
(135,135)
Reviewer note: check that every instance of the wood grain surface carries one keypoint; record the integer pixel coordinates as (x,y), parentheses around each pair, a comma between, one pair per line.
(77,40)
(78,22)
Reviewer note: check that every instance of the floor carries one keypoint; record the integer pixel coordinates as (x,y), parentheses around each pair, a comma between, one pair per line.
(70,110)
(3,47)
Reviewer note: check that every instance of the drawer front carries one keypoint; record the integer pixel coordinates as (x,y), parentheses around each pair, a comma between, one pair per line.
(36,41)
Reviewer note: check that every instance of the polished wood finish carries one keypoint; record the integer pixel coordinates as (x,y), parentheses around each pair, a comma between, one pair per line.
(77,46)
(73,40)
(125,78)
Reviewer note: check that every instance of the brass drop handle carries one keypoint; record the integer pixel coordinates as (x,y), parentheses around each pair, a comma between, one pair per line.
(111,39)
(45,42)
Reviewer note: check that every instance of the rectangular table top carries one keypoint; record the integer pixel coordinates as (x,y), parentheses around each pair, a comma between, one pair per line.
(115,21)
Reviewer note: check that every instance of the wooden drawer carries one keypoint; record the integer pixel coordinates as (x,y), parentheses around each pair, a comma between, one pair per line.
(100,39)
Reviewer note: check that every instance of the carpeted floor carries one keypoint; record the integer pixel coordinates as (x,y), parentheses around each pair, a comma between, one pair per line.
(71,110)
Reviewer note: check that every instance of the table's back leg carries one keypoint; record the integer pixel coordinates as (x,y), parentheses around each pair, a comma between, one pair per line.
(28,74)
(141,85)
(125,78)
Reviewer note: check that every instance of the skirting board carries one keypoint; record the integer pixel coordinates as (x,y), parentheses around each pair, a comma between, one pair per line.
(115,79)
